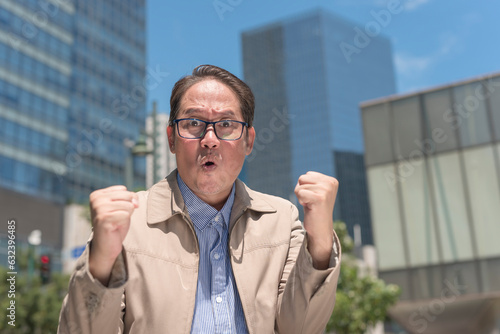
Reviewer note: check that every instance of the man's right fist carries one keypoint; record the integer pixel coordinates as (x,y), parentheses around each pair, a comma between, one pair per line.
(111,209)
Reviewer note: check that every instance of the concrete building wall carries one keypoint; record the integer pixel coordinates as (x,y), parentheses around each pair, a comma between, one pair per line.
(165,161)
(433,169)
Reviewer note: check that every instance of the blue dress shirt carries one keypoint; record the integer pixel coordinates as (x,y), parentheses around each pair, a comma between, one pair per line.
(218,306)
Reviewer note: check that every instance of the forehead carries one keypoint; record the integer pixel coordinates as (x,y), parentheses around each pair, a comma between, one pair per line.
(209,96)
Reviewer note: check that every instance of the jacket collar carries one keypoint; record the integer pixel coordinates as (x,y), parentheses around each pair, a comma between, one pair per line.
(165,200)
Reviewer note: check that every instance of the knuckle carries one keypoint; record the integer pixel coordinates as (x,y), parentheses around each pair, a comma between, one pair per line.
(93,195)
(333,181)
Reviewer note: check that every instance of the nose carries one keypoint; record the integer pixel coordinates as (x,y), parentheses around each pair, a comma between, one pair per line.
(210,140)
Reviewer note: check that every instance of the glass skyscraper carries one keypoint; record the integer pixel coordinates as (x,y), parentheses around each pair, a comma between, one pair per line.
(307,90)
(35,78)
(433,166)
(71,94)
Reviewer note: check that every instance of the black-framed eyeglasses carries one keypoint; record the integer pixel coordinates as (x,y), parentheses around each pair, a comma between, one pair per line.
(193,128)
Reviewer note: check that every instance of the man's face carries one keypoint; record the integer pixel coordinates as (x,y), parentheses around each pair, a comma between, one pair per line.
(209,166)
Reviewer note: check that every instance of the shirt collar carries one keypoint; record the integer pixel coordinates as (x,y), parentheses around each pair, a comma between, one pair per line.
(200,212)
(164,201)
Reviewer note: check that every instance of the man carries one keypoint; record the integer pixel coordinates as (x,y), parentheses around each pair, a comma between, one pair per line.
(200,252)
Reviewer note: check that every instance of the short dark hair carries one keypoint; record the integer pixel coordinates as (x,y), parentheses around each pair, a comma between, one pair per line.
(207,72)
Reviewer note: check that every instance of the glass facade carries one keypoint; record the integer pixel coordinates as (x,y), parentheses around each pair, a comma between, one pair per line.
(384,204)
(35,72)
(451,215)
(307,116)
(435,186)
(71,92)
(108,102)
(353,203)
(263,58)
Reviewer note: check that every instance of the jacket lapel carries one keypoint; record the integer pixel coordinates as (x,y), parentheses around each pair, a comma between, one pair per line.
(165,200)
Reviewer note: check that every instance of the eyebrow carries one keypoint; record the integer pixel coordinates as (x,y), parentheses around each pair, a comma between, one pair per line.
(191,111)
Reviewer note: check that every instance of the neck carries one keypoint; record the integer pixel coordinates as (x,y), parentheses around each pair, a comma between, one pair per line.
(215,200)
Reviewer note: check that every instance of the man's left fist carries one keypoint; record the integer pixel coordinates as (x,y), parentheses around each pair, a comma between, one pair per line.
(317,192)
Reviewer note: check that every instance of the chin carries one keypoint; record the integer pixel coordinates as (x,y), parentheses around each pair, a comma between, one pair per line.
(210,189)
(209,185)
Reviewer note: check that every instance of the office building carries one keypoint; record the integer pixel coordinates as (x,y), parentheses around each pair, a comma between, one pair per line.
(161,162)
(108,94)
(433,170)
(35,79)
(71,92)
(307,90)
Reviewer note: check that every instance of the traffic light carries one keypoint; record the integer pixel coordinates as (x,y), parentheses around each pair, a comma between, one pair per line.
(45,268)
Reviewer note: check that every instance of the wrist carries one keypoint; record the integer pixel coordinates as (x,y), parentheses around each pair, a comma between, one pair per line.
(320,250)
(100,266)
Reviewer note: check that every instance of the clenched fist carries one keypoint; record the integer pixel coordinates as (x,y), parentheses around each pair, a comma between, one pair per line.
(111,209)
(317,192)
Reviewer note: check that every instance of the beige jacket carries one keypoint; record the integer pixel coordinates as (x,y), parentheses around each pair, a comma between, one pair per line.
(153,283)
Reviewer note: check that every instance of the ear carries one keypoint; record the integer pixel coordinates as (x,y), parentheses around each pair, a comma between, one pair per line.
(250,140)
(171,138)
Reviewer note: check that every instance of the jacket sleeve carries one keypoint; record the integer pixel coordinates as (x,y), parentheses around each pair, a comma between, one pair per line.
(89,307)
(306,296)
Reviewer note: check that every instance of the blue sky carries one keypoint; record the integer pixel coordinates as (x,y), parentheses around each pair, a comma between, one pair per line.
(434,41)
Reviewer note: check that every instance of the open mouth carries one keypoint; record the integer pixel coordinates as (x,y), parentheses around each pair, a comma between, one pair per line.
(208,164)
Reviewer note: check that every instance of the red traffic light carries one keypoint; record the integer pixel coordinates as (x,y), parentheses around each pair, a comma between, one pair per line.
(45,268)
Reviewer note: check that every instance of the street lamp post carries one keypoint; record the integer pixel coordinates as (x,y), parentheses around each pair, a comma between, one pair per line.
(34,240)
(140,148)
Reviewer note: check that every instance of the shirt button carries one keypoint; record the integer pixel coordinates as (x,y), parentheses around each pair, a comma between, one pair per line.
(216,256)
(218,299)
(216,218)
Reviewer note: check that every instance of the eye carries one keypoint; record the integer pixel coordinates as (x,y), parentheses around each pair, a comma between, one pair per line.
(225,124)
(194,123)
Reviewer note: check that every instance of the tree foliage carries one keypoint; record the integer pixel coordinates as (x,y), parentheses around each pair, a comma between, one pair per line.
(37,306)
(362,300)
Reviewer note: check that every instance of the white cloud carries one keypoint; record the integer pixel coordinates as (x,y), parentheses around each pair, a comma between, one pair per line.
(414,4)
(448,43)
(408,5)
(408,64)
